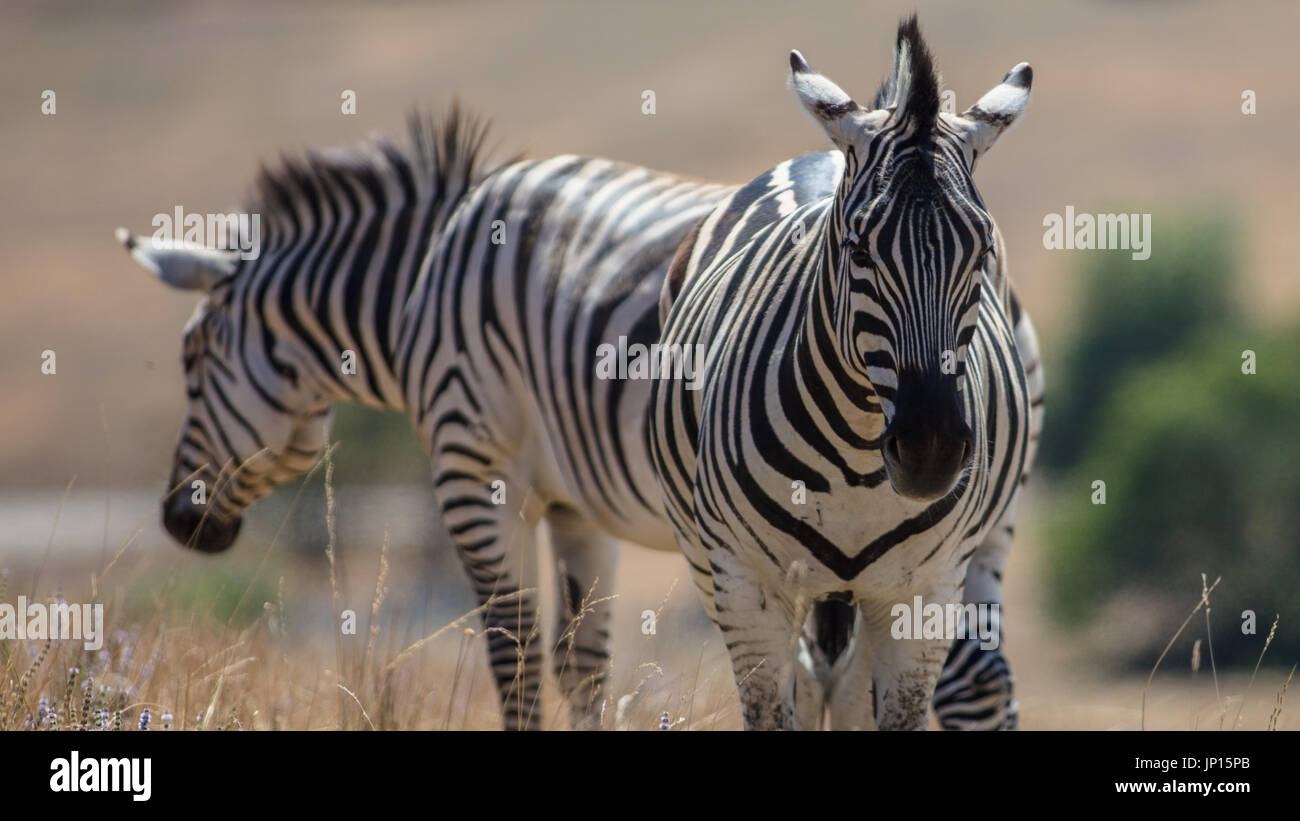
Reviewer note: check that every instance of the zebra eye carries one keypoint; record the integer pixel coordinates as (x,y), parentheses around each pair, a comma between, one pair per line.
(860,257)
(287,371)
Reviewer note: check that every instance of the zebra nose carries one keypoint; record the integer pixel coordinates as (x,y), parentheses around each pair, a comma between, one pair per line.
(923,464)
(187,524)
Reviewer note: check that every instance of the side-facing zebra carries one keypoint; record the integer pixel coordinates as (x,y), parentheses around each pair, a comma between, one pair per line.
(482,326)
(864,420)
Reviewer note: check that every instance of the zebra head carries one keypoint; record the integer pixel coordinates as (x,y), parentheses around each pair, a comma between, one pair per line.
(251,422)
(908,240)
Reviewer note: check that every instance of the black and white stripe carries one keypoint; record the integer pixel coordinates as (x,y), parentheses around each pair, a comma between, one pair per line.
(498,356)
(343,235)
(863,347)
(488,346)
(476,303)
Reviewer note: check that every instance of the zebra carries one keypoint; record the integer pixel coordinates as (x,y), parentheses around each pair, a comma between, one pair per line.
(486,346)
(387,255)
(865,350)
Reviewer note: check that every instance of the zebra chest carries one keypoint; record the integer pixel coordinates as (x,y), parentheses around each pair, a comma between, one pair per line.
(851,530)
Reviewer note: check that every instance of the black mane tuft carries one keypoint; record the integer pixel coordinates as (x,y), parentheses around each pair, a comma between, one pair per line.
(913,86)
(445,155)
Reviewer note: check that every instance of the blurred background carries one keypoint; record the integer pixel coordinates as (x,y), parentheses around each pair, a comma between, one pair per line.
(1136,108)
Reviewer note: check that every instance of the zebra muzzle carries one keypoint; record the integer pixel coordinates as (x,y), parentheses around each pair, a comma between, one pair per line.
(196,527)
(927,444)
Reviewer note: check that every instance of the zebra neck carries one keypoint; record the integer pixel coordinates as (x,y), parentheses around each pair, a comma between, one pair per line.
(362,346)
(346,302)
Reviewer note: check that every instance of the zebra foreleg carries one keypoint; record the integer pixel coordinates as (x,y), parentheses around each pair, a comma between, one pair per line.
(904,671)
(760,627)
(586,561)
(493,523)
(976,690)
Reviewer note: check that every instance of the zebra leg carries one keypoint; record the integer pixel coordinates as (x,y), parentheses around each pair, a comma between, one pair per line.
(976,691)
(760,628)
(492,523)
(903,671)
(586,561)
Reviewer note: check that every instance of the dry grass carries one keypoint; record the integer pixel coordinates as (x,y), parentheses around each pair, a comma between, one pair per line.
(193,669)
(252,640)
(262,647)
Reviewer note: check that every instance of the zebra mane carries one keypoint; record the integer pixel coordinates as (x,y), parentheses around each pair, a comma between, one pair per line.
(913,86)
(445,154)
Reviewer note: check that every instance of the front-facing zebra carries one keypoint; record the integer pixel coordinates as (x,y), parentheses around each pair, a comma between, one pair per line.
(865,420)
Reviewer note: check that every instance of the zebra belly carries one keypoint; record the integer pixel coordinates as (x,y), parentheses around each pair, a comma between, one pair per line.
(608,480)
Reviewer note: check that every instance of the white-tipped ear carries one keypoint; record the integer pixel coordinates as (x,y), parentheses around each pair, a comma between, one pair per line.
(843,120)
(182,265)
(997,110)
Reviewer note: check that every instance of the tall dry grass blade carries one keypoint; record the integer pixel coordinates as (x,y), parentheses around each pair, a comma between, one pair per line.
(330,550)
(275,538)
(99,580)
(469,694)
(376,602)
(364,714)
(1272,631)
(455,679)
(1205,594)
(387,683)
(108,480)
(505,597)
(1281,698)
(580,610)
(1209,644)
(49,545)
(690,707)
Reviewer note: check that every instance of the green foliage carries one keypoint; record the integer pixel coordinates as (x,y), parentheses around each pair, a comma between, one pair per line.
(1200,462)
(374,448)
(221,591)
(1135,311)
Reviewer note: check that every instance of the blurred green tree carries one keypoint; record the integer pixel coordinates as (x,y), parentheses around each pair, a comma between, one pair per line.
(1201,461)
(1131,312)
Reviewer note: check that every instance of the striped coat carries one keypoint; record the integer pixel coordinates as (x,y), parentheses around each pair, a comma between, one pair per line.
(865,419)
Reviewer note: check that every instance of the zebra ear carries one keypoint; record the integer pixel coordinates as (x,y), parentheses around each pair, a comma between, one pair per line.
(182,265)
(997,110)
(843,120)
